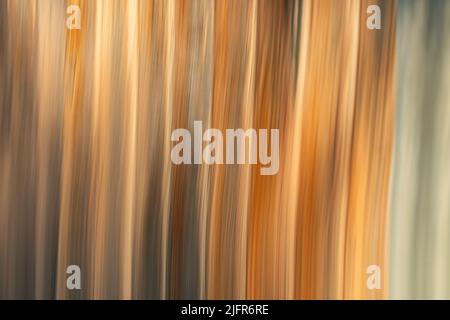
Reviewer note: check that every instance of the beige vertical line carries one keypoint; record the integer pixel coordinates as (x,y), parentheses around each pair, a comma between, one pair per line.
(247,122)
(132,67)
(98,139)
(348,106)
(169,58)
(72,87)
(206,172)
(42,157)
(294,183)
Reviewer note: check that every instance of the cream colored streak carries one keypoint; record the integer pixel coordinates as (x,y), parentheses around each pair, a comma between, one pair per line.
(245,174)
(169,58)
(297,138)
(128,226)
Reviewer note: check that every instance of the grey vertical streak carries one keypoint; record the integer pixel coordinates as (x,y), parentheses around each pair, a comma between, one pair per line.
(420,186)
(18,153)
(50,51)
(200,81)
(150,128)
(190,193)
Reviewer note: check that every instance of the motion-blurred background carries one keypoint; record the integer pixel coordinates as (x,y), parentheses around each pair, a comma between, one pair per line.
(85,170)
